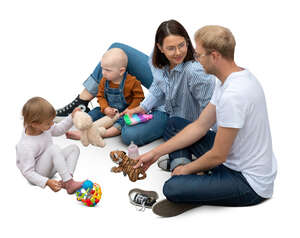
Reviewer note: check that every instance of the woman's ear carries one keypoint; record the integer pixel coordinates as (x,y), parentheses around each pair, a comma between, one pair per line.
(160,48)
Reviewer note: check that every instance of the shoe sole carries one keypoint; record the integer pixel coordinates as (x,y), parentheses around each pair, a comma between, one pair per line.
(162,167)
(152,194)
(165,208)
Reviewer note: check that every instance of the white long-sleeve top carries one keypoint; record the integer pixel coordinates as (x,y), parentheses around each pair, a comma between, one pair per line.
(30,148)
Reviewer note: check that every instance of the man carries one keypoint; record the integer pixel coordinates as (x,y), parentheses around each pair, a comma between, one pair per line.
(235,166)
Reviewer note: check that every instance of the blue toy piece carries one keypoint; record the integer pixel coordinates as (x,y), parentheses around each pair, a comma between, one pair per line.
(87,184)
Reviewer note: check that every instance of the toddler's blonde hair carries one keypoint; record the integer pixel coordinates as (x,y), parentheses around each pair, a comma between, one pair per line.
(37,110)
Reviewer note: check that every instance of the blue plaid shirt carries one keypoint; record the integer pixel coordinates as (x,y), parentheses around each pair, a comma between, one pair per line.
(184,91)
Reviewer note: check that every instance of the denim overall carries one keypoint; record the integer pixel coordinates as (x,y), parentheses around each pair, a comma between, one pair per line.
(115,98)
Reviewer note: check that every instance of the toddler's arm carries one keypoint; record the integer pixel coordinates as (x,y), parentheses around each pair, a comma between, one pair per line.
(62,127)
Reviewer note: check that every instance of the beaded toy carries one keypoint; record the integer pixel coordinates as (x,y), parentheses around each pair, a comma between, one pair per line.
(89,193)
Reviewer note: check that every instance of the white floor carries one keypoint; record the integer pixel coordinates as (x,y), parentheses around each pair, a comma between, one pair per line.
(49,48)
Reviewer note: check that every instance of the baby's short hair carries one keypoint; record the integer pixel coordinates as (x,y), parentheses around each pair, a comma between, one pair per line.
(117,56)
(38,110)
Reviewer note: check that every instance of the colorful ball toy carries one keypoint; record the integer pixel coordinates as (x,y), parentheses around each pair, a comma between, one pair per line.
(89,193)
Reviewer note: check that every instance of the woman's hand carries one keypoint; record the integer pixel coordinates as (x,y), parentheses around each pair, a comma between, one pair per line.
(146,160)
(135,110)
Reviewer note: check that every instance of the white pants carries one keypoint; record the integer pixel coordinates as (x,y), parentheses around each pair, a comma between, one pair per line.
(55,159)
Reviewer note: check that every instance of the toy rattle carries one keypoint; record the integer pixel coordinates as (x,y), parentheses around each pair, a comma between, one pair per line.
(89,193)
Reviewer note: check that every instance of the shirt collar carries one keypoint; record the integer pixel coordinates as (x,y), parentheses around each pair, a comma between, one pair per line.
(177,68)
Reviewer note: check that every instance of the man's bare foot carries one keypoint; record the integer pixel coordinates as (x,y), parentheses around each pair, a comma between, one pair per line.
(73,135)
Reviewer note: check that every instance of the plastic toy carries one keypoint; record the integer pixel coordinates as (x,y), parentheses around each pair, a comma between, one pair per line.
(137,118)
(89,194)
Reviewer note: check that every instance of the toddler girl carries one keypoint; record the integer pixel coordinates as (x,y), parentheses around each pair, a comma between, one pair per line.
(37,157)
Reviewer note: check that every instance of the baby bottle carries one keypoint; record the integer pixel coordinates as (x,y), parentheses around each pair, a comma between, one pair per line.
(133,150)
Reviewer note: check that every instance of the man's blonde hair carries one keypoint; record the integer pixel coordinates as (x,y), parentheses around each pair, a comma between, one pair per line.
(216,38)
(37,110)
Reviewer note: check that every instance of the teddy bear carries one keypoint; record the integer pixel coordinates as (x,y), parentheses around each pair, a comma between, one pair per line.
(92,132)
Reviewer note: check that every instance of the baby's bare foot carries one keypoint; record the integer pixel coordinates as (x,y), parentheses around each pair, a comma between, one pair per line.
(71,186)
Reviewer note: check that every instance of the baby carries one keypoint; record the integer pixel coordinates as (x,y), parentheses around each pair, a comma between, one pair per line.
(118,92)
(37,157)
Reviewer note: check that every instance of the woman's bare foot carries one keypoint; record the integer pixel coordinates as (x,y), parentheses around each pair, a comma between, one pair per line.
(73,135)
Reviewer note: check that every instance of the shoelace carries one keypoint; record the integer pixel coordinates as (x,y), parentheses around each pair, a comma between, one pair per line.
(67,107)
(141,199)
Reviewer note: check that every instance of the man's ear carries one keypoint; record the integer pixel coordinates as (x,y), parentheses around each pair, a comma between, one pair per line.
(215,54)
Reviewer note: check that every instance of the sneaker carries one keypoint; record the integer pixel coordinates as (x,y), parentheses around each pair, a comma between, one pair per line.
(165,208)
(142,198)
(68,109)
(164,164)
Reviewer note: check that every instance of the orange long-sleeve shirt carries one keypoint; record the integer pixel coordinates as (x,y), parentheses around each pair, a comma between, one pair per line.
(133,92)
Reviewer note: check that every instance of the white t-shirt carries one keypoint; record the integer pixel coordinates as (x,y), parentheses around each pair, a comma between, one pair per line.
(240,103)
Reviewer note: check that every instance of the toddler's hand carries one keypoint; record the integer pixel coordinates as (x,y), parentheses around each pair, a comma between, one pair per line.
(111,112)
(75,110)
(54,185)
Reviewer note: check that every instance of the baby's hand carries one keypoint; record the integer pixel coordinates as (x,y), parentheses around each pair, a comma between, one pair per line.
(54,185)
(111,112)
(75,110)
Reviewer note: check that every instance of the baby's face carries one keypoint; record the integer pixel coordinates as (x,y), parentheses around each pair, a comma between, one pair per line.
(110,71)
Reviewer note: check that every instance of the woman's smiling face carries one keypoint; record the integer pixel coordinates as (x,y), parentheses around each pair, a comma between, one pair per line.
(175,48)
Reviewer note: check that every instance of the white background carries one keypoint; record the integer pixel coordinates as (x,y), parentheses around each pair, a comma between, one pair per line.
(48,48)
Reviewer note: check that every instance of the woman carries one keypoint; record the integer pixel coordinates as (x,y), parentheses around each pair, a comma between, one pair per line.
(179,85)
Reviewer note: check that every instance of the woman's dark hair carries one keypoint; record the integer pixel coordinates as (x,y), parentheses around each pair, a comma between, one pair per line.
(165,29)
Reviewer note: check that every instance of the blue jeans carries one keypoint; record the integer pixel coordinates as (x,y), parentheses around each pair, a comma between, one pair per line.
(140,134)
(222,186)
(137,66)
(147,132)
(184,156)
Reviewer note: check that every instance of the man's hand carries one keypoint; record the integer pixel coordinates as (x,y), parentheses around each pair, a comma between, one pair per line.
(146,160)
(179,170)
(54,185)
